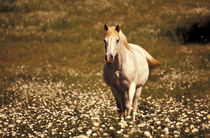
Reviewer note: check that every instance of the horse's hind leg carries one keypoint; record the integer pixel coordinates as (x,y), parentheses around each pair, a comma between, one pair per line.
(135,101)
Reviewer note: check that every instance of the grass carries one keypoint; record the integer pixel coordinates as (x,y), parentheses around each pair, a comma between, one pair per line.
(54,51)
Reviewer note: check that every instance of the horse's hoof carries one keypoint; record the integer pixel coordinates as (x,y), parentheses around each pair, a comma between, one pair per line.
(134,116)
(128,117)
(122,116)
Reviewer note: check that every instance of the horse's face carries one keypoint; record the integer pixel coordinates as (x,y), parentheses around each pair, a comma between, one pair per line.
(111,41)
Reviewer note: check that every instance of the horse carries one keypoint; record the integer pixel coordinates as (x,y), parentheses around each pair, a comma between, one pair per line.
(126,69)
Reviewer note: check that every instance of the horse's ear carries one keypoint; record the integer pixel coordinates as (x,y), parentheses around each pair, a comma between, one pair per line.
(117,28)
(105,27)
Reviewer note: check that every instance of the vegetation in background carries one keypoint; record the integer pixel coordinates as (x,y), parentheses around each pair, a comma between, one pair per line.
(47,42)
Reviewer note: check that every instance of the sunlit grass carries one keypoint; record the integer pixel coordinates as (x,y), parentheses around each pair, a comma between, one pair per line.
(52,57)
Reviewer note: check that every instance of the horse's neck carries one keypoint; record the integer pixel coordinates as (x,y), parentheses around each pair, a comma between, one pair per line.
(121,56)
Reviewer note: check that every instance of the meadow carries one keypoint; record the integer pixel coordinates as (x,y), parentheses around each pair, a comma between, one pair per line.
(52,57)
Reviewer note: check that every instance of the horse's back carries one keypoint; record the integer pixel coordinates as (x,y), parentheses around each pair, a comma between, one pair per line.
(152,62)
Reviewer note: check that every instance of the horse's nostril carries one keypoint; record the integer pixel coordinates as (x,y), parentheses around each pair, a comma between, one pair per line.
(109,58)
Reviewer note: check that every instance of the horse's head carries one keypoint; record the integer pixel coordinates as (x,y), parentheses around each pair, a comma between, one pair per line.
(111,41)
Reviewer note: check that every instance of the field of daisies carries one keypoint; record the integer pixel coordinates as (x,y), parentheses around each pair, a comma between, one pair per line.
(62,102)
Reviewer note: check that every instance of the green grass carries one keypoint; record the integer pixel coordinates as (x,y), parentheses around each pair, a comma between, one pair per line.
(45,42)
(70,33)
(59,33)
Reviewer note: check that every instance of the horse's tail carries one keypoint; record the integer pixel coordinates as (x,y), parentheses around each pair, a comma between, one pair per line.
(152,61)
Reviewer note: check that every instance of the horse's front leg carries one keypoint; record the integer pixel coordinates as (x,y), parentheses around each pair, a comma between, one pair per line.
(135,101)
(129,101)
(119,101)
(122,93)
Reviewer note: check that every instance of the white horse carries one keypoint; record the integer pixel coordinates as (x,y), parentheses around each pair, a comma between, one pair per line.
(126,69)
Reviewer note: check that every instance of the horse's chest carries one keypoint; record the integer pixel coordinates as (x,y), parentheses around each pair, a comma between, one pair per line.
(119,80)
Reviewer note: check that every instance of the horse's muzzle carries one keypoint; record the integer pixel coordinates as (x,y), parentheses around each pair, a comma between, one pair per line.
(109,58)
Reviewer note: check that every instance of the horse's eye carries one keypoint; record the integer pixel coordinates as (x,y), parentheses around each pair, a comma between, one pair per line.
(118,40)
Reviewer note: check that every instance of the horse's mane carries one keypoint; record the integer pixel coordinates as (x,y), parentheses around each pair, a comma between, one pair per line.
(151,61)
(124,40)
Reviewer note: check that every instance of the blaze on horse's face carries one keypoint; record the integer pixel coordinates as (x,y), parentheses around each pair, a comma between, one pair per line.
(111,42)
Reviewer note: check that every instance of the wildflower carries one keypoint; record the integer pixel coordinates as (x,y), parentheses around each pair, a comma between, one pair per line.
(94,134)
(96,124)
(204,126)
(49,125)
(141,125)
(103,125)
(94,128)
(158,122)
(176,136)
(75,102)
(5,123)
(172,126)
(2,115)
(111,128)
(166,131)
(187,130)
(11,126)
(53,132)
(89,132)
(162,135)
(42,135)
(24,122)
(191,126)
(80,128)
(125,135)
(178,124)
(195,130)
(167,119)
(14,134)
(120,131)
(123,124)
(18,121)
(208,116)
(65,123)
(128,117)
(82,136)
(147,134)
(105,134)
